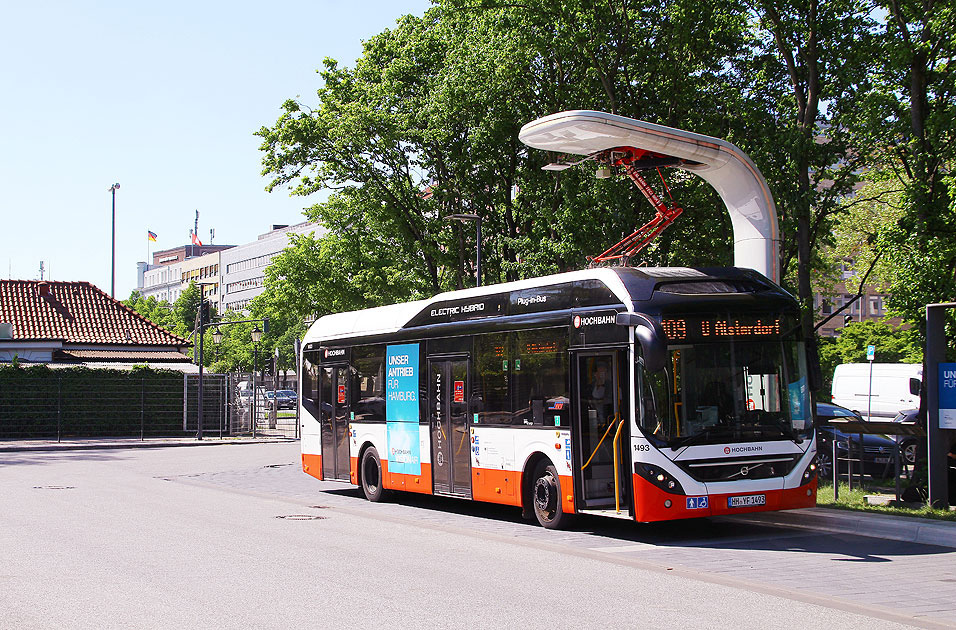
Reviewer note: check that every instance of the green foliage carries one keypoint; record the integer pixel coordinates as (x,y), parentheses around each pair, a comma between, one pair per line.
(892,346)
(178,318)
(160,312)
(816,93)
(439,101)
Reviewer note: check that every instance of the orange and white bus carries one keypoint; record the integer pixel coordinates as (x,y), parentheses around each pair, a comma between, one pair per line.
(641,393)
(648,394)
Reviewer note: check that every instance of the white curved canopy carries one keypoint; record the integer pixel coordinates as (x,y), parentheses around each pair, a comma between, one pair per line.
(724,166)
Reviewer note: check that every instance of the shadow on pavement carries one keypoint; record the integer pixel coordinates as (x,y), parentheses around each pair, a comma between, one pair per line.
(713,532)
(23,458)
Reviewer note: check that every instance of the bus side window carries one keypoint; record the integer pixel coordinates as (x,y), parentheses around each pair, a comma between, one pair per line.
(493,370)
(310,382)
(540,378)
(368,363)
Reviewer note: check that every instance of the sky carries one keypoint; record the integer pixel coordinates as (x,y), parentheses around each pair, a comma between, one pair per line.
(163,99)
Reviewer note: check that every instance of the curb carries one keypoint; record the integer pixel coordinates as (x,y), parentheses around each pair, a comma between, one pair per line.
(123,444)
(905,529)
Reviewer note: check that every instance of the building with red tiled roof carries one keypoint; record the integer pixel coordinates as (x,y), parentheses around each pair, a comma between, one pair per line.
(75,322)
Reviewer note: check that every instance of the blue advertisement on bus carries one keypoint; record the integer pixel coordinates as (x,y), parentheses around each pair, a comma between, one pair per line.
(401,409)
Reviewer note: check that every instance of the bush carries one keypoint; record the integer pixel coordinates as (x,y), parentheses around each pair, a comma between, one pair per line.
(37,401)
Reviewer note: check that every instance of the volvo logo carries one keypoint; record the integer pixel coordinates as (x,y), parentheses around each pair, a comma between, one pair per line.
(744,471)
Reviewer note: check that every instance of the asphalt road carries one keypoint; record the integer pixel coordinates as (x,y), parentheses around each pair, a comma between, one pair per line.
(237,536)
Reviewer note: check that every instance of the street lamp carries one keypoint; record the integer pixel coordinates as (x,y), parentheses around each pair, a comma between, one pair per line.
(201,318)
(113,190)
(202,323)
(463,217)
(256,335)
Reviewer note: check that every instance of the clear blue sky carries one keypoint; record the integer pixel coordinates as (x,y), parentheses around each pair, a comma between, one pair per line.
(163,98)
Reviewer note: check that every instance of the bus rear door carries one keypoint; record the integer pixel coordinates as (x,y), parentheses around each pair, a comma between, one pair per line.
(448,391)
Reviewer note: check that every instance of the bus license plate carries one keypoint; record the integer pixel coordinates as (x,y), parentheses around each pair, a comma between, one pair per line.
(749,500)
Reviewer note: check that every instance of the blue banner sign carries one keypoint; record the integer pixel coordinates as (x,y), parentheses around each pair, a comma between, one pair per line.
(799,404)
(402,410)
(947,395)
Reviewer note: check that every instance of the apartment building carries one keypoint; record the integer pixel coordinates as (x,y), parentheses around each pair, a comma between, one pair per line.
(871,305)
(243,267)
(231,275)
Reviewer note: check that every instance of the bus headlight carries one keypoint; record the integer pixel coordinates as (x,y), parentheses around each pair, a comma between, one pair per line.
(811,472)
(659,477)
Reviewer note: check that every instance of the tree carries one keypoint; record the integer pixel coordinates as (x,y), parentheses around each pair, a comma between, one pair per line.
(157,311)
(910,114)
(805,50)
(439,101)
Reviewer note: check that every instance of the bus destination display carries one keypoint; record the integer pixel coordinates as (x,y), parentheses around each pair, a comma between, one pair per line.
(713,328)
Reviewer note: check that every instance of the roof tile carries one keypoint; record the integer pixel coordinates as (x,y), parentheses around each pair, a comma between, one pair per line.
(76,312)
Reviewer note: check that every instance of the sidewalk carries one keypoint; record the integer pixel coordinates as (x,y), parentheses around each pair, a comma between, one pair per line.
(75,444)
(903,528)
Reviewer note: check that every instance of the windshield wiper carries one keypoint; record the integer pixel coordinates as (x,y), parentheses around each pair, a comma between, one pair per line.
(784,429)
(696,438)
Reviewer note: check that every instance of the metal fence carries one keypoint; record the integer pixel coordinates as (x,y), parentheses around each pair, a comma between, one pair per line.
(63,404)
(269,420)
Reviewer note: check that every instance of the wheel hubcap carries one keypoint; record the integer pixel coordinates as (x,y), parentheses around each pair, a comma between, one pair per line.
(544,495)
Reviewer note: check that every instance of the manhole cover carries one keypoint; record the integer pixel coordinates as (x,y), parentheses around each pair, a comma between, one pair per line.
(54,487)
(302,517)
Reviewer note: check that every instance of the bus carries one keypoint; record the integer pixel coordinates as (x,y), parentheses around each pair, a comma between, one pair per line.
(639,393)
(642,393)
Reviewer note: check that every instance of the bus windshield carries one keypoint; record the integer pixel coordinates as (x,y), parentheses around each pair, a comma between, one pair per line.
(728,391)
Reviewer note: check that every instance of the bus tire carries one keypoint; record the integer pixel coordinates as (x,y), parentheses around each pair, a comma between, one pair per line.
(546,498)
(371,476)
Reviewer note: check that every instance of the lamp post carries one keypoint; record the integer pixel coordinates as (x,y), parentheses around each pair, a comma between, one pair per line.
(202,323)
(216,340)
(202,316)
(113,190)
(463,217)
(256,335)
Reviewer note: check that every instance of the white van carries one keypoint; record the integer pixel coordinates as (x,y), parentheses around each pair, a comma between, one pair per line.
(891,391)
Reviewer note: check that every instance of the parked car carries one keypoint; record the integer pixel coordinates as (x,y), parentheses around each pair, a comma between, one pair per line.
(908,443)
(878,451)
(282,401)
(290,393)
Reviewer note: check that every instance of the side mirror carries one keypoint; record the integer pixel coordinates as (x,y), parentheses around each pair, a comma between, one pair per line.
(651,336)
(915,386)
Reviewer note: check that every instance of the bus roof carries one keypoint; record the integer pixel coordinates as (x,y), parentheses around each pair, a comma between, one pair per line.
(724,166)
(613,287)
(386,319)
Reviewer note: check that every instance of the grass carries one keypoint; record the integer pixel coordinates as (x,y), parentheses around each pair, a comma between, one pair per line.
(854,501)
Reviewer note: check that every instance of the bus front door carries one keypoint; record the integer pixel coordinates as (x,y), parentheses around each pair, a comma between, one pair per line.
(448,391)
(334,412)
(601,419)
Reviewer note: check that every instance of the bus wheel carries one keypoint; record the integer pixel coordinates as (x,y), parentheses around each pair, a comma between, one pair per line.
(547,498)
(372,476)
